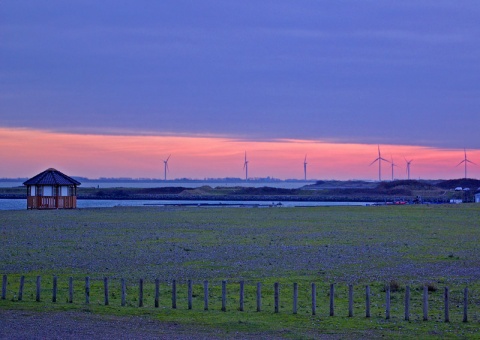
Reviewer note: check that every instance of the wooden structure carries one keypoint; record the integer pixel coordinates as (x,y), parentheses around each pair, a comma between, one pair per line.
(51,189)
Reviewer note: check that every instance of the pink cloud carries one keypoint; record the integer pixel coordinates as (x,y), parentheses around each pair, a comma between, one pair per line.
(25,152)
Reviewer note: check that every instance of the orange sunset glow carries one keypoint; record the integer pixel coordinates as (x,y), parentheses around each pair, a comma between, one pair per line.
(25,152)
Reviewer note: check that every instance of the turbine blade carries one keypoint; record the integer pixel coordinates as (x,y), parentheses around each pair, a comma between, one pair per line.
(460,162)
(374,161)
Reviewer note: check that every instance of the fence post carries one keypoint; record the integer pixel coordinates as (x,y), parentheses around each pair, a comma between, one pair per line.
(174,294)
(425,303)
(54,289)
(259,296)
(38,288)
(105,289)
(276,296)
(157,293)
(70,290)
(140,293)
(205,295)
(124,292)
(314,299)
(242,295)
(87,290)
(387,303)
(367,301)
(465,304)
(350,300)
(295,297)
(4,287)
(224,296)
(446,298)
(332,298)
(20,289)
(190,293)
(407,303)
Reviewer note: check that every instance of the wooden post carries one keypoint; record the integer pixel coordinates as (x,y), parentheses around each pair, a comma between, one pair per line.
(174,294)
(4,287)
(314,299)
(157,293)
(465,304)
(124,292)
(259,296)
(425,303)
(38,289)
(54,289)
(87,290)
(205,295)
(447,311)
(224,296)
(190,294)
(407,303)
(387,303)
(332,298)
(367,301)
(242,295)
(140,293)
(20,289)
(70,290)
(276,296)
(105,290)
(350,300)
(295,298)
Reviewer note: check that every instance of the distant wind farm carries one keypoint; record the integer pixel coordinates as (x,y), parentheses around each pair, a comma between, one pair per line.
(378,160)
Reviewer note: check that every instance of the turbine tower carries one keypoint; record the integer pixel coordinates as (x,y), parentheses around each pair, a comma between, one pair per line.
(408,167)
(165,164)
(393,165)
(379,159)
(465,160)
(245,166)
(305,168)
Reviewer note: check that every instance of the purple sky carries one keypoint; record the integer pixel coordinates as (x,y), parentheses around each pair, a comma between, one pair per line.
(387,72)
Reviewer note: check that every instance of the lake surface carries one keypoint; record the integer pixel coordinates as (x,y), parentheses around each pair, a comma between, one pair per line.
(21,204)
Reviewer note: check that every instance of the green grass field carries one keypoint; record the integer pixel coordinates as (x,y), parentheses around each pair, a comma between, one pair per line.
(398,245)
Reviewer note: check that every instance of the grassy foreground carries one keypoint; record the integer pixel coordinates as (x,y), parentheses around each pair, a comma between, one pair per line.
(397,245)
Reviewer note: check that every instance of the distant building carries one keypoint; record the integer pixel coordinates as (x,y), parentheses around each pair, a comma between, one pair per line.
(477,198)
(51,189)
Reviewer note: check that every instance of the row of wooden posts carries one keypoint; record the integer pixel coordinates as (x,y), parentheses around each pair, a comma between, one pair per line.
(242,296)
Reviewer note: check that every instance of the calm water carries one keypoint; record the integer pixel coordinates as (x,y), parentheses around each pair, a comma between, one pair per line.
(139,184)
(20,204)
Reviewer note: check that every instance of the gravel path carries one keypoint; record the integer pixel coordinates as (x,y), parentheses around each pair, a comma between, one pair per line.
(16,324)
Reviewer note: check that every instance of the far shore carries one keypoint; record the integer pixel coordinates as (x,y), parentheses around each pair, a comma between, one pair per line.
(404,191)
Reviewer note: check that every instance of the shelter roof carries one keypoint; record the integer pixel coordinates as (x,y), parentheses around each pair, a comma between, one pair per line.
(51,177)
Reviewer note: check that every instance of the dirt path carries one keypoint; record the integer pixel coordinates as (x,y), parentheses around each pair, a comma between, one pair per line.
(16,324)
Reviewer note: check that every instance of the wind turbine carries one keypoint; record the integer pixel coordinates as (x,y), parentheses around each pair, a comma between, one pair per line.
(379,159)
(166,167)
(465,160)
(245,167)
(393,165)
(408,167)
(305,168)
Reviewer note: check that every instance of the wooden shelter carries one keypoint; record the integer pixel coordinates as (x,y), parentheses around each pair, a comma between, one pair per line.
(51,189)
